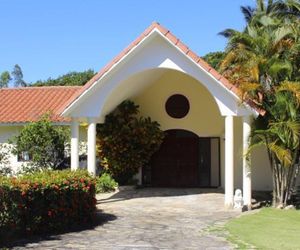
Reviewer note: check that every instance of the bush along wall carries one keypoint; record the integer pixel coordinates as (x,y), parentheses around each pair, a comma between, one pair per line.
(45,202)
(126,141)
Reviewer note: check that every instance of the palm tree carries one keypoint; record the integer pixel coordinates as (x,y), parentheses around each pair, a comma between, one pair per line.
(263,61)
(271,8)
(261,57)
(279,132)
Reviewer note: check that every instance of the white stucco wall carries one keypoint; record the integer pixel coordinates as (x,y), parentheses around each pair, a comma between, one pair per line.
(204,120)
(8,132)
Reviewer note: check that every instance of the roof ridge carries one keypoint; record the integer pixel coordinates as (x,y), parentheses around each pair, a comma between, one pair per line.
(176,42)
(40,87)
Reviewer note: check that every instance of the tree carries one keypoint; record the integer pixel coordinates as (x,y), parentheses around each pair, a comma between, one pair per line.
(262,56)
(18,77)
(263,61)
(279,132)
(44,142)
(214,58)
(126,141)
(69,79)
(270,8)
(5,78)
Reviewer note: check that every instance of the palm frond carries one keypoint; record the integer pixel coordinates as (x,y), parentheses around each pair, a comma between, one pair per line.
(292,87)
(248,12)
(281,33)
(282,154)
(260,5)
(228,59)
(280,67)
(287,131)
(227,33)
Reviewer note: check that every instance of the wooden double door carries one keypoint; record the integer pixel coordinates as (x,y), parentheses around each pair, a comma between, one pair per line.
(183,160)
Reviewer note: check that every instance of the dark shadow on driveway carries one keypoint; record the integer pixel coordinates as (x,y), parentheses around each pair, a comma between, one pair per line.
(101,219)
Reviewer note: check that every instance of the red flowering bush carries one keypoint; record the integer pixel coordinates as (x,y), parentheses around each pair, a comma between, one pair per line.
(45,202)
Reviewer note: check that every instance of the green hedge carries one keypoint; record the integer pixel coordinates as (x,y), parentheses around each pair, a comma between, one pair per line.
(45,202)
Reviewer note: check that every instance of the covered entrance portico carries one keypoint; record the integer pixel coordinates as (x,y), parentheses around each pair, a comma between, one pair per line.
(156,55)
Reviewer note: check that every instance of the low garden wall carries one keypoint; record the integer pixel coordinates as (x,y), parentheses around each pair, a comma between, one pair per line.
(45,202)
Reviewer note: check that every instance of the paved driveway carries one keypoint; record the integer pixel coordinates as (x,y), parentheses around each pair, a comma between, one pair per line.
(150,219)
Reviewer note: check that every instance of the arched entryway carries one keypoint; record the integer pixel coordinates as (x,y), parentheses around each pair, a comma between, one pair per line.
(184,160)
(148,60)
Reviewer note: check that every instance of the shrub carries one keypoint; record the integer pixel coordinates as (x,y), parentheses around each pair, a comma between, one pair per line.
(44,143)
(5,168)
(45,202)
(105,183)
(126,141)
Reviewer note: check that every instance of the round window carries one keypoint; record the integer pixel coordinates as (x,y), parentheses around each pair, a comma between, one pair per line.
(177,106)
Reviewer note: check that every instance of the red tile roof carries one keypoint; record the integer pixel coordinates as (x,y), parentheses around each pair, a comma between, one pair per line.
(185,49)
(18,105)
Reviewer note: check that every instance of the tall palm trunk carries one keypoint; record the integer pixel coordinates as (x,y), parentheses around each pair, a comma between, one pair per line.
(284,183)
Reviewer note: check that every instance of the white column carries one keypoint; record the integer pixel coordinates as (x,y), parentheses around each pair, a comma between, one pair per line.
(246,163)
(91,157)
(229,154)
(74,144)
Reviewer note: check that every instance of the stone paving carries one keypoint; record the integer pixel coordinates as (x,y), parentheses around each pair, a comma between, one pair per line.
(150,218)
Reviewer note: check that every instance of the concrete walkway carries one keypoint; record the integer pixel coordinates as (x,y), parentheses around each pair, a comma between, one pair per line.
(149,219)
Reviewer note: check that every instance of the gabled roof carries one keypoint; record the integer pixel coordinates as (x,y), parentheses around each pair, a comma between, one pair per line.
(181,46)
(19,105)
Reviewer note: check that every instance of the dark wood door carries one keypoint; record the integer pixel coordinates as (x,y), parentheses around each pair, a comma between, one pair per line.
(204,162)
(176,164)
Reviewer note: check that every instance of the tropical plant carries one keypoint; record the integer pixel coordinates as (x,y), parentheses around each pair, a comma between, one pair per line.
(262,57)
(105,183)
(271,8)
(126,141)
(279,132)
(263,61)
(44,143)
(214,58)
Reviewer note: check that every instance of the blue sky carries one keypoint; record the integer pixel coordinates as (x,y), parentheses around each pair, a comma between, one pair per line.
(51,37)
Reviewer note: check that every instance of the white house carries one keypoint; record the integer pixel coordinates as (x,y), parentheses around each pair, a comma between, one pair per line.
(206,125)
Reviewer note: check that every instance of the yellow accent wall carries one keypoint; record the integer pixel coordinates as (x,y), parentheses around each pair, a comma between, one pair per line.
(203,118)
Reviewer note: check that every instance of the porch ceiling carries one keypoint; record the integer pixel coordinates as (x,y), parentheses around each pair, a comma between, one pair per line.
(131,87)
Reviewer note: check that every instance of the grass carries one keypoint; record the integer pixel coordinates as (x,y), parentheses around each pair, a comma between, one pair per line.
(268,229)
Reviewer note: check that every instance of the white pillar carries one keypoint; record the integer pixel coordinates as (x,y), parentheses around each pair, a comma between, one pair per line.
(74,144)
(229,154)
(246,163)
(91,157)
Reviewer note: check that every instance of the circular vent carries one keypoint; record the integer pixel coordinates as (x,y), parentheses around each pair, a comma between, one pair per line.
(177,106)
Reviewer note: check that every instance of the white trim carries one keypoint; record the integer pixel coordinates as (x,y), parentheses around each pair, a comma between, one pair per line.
(74,144)
(246,163)
(130,52)
(91,140)
(67,111)
(229,161)
(208,73)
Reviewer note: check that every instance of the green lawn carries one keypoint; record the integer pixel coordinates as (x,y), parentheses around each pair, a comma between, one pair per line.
(267,229)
